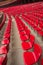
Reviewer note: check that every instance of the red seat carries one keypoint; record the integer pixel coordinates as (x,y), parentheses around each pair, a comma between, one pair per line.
(32,38)
(28,32)
(26,28)
(24,37)
(37,50)
(41,24)
(3,59)
(3,49)
(31,58)
(5,41)
(21,29)
(26,45)
(7,35)
(22,33)
(40,33)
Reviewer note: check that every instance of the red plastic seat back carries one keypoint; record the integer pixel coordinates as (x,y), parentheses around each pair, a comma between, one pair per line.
(32,38)
(29,58)
(37,50)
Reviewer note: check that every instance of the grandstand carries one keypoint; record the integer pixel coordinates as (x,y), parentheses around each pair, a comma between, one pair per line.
(21,33)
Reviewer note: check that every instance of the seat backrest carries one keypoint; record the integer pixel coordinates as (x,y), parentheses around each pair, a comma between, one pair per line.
(37,50)
(32,38)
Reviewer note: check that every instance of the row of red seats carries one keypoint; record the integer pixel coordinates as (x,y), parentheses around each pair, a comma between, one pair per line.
(22,8)
(38,14)
(3,21)
(38,21)
(31,22)
(28,42)
(5,44)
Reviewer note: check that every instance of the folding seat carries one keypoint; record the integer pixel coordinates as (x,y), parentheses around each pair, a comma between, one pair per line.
(3,59)
(19,24)
(22,33)
(28,32)
(5,41)
(40,33)
(32,38)
(36,22)
(21,29)
(22,24)
(31,58)
(3,49)
(41,25)
(6,32)
(26,28)
(32,24)
(27,45)
(37,50)
(7,36)
(24,37)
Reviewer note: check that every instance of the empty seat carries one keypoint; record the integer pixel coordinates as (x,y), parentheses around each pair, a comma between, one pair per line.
(32,38)
(27,45)
(6,36)
(24,37)
(41,33)
(32,57)
(28,32)
(21,29)
(3,49)
(5,41)
(22,33)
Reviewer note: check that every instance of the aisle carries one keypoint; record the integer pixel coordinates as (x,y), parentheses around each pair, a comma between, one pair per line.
(15,55)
